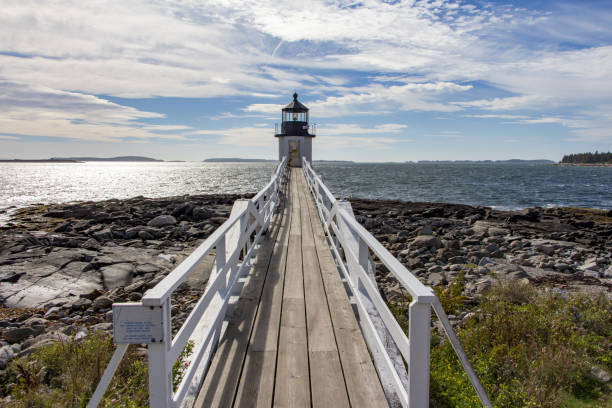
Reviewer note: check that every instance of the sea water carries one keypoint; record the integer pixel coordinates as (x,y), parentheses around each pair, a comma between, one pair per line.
(507,186)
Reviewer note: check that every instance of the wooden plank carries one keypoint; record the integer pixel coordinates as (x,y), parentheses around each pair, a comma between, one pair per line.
(256,386)
(327,378)
(362,382)
(292,383)
(222,378)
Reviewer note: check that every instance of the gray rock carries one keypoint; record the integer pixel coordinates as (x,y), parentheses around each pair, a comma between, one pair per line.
(102,302)
(426,230)
(590,266)
(6,354)
(35,321)
(486,261)
(600,375)
(608,273)
(18,334)
(117,275)
(145,235)
(435,279)
(161,221)
(81,304)
(427,241)
(92,244)
(102,326)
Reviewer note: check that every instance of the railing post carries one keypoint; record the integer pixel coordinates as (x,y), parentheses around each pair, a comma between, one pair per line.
(160,369)
(418,367)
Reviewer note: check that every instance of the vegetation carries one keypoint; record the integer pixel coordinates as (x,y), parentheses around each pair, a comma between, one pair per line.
(65,374)
(530,348)
(588,158)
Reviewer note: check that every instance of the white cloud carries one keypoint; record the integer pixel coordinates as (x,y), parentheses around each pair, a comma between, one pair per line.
(40,111)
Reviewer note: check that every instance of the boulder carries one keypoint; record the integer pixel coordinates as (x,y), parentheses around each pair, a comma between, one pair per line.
(81,304)
(599,375)
(427,241)
(162,221)
(18,334)
(6,354)
(435,279)
(102,302)
(117,275)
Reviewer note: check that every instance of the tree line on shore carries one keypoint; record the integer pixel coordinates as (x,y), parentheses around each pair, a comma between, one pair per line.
(588,157)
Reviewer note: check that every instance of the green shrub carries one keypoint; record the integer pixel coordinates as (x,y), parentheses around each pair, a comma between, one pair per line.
(65,374)
(529,349)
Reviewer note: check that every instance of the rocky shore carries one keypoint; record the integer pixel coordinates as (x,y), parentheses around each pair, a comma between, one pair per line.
(62,266)
(568,249)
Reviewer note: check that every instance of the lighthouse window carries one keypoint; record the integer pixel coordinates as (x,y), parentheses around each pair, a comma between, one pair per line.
(295,117)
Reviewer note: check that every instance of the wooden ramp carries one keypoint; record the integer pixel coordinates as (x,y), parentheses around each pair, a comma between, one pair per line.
(292,338)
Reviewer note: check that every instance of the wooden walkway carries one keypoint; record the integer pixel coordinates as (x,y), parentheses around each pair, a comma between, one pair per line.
(292,338)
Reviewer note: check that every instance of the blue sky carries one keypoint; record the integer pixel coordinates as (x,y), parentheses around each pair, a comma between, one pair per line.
(385,80)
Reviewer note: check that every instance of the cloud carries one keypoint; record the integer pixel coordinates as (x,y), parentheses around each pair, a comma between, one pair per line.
(367,58)
(44,112)
(329,136)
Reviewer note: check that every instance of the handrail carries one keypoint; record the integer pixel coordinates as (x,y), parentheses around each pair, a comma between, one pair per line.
(234,244)
(351,244)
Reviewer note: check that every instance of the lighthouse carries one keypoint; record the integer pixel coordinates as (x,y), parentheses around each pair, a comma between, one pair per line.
(294,141)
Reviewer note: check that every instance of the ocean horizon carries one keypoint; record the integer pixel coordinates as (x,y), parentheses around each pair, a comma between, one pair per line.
(505,185)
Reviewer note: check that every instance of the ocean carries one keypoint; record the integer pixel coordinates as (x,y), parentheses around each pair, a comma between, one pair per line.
(502,186)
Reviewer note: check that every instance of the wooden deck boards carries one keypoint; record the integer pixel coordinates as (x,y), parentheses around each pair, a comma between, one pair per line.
(293,341)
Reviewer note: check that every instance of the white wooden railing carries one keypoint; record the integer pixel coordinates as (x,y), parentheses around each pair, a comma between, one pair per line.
(352,246)
(234,245)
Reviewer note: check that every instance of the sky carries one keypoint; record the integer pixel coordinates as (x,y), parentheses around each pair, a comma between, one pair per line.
(384,80)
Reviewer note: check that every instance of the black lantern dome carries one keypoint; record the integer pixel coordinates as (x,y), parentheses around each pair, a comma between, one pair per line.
(294,119)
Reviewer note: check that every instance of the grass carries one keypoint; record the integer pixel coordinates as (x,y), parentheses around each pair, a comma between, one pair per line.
(65,374)
(530,348)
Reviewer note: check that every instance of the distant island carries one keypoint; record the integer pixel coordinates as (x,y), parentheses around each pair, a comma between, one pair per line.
(511,161)
(39,161)
(106,159)
(235,160)
(587,159)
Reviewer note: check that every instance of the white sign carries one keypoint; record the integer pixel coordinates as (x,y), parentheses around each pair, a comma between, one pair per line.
(135,323)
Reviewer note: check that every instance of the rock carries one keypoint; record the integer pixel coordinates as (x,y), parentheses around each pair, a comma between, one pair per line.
(426,230)
(427,241)
(161,221)
(104,235)
(590,266)
(145,235)
(92,244)
(6,354)
(35,321)
(117,275)
(435,279)
(599,375)
(608,273)
(92,294)
(486,261)
(102,302)
(18,334)
(134,297)
(102,326)
(54,312)
(81,304)
(146,268)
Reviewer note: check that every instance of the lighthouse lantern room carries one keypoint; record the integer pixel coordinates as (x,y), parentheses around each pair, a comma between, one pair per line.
(294,140)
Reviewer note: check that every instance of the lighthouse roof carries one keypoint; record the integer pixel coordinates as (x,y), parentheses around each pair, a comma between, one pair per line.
(295,105)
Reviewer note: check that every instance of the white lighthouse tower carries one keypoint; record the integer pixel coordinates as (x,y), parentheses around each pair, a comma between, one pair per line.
(294,141)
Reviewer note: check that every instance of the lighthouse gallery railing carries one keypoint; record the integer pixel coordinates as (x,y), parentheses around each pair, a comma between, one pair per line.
(351,245)
(234,243)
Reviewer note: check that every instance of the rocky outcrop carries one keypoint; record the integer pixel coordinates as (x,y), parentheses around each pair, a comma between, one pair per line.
(567,248)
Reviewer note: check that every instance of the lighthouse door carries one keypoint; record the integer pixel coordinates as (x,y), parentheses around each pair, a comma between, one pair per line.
(294,153)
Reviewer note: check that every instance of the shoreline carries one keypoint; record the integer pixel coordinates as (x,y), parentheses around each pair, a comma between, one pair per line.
(63,265)
(584,164)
